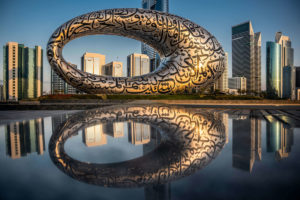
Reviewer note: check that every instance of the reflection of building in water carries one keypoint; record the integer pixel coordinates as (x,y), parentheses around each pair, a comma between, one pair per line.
(138,133)
(246,144)
(108,129)
(154,141)
(94,136)
(279,138)
(163,191)
(115,129)
(225,122)
(118,129)
(25,137)
(58,120)
(160,192)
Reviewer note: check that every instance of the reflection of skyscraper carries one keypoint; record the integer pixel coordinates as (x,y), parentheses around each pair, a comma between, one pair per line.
(256,131)
(279,138)
(225,122)
(159,192)
(94,136)
(246,143)
(160,5)
(57,121)
(138,133)
(115,129)
(13,143)
(25,137)
(118,129)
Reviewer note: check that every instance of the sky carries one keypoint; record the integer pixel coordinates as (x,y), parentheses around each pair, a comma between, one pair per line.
(32,22)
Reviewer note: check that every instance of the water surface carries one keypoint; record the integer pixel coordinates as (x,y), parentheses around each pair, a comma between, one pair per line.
(151,152)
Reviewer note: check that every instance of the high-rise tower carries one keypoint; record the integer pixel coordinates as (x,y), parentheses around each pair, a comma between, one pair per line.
(246,55)
(222,83)
(22,71)
(137,64)
(160,5)
(287,62)
(273,71)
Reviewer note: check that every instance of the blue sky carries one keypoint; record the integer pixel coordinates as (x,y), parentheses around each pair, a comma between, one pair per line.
(31,22)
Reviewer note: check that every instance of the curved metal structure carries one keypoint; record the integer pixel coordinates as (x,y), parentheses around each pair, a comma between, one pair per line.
(191,56)
(191,139)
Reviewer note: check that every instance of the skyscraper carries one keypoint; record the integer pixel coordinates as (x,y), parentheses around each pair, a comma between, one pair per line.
(287,82)
(160,5)
(246,55)
(137,64)
(222,83)
(59,86)
(297,81)
(92,63)
(273,71)
(238,83)
(287,59)
(113,69)
(22,71)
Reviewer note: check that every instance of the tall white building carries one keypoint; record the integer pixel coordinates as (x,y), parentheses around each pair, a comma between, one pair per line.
(22,71)
(222,83)
(92,63)
(287,60)
(113,68)
(238,83)
(137,64)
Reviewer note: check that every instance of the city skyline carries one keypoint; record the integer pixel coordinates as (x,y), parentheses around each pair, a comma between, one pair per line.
(262,18)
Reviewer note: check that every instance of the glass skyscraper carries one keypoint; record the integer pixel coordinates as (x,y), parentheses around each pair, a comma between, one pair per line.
(287,82)
(297,82)
(273,72)
(246,55)
(287,60)
(59,86)
(159,5)
(22,71)
(280,67)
